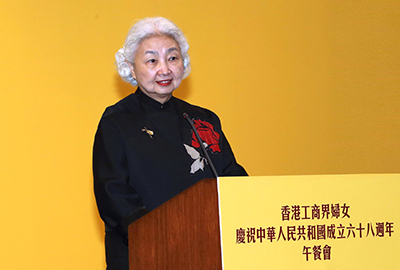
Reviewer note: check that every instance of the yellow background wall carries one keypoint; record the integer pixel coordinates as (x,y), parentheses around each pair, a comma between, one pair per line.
(302,87)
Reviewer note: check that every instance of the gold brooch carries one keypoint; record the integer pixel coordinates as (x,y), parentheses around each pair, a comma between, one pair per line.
(148,131)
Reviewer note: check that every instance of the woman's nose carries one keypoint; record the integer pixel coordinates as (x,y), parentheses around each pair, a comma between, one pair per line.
(164,69)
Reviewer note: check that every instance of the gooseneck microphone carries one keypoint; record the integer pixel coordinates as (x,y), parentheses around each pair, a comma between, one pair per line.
(214,172)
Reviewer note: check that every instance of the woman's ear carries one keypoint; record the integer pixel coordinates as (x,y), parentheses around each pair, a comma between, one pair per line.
(131,68)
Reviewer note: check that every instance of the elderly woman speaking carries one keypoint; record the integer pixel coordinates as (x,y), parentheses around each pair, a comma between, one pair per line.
(146,151)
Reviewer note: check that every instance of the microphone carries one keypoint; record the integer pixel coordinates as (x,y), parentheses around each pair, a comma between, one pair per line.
(214,172)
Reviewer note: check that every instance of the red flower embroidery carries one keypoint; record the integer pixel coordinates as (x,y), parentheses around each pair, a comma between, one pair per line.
(207,134)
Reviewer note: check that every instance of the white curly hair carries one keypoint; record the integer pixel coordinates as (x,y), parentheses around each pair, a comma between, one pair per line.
(143,29)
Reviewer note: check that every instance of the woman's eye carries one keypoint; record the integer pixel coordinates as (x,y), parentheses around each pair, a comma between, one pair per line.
(151,61)
(173,58)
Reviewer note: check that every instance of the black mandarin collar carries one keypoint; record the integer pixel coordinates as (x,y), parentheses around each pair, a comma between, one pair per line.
(151,105)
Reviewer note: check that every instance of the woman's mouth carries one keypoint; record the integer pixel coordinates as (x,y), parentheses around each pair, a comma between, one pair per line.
(164,83)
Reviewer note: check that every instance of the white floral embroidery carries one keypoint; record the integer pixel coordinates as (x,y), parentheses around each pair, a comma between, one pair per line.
(198,163)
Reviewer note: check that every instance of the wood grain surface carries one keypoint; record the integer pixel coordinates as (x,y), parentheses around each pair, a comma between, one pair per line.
(183,233)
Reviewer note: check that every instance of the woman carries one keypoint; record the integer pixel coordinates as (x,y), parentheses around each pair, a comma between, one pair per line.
(145,151)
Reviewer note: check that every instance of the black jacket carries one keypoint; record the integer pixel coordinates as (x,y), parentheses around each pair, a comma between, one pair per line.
(145,153)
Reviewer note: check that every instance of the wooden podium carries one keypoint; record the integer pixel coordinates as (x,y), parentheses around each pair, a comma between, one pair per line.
(183,233)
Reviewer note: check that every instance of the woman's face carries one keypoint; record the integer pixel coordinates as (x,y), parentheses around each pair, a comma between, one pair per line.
(158,67)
